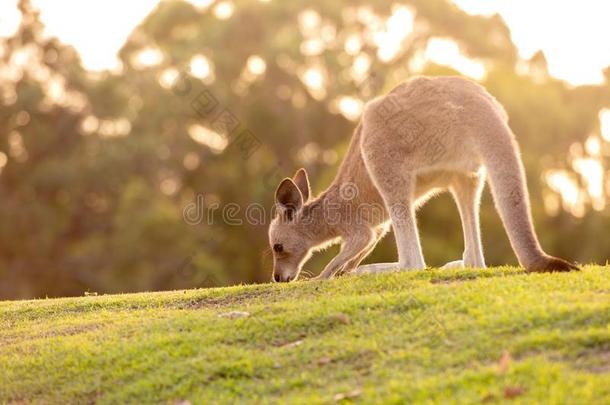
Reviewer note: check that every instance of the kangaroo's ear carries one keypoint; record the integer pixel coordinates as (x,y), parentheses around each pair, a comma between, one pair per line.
(301,179)
(289,197)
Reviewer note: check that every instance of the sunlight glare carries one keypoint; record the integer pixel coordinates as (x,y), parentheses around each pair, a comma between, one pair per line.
(446,52)
(353,44)
(604,122)
(593,145)
(3,161)
(147,57)
(114,128)
(256,65)
(205,136)
(309,22)
(90,124)
(314,78)
(168,78)
(201,67)
(592,173)
(312,47)
(201,4)
(360,67)
(169,186)
(390,40)
(350,107)
(191,161)
(224,10)
(565,185)
(16,147)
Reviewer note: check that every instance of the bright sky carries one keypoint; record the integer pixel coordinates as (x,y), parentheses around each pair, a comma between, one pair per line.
(96,28)
(572,33)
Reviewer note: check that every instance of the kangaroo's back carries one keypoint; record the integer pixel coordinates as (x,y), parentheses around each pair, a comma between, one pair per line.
(431,122)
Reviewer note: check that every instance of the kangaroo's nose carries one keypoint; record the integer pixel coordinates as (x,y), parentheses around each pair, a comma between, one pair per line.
(284,279)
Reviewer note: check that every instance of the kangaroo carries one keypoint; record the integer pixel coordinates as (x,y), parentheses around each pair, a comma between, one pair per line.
(426,136)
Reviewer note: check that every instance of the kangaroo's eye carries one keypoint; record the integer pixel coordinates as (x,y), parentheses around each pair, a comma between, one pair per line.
(278,248)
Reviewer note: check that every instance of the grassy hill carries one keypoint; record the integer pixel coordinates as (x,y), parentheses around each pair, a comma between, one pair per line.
(446,336)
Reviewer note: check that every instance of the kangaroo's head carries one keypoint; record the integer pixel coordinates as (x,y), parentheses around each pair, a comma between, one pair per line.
(289,238)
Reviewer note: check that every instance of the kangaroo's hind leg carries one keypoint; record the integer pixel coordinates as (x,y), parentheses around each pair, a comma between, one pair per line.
(466,190)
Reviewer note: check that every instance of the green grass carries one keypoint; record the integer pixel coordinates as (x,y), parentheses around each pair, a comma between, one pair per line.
(432,336)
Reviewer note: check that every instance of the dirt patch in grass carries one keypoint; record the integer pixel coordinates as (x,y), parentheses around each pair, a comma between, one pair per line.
(452,280)
(593,361)
(359,361)
(465,277)
(52,333)
(265,294)
(229,300)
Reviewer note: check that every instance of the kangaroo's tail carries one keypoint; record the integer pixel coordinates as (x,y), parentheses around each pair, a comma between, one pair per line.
(502,160)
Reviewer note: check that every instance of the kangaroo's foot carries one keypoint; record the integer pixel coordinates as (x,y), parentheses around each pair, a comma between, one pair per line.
(456,264)
(549,264)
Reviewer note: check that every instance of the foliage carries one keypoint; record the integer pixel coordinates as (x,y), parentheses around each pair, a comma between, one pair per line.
(97,180)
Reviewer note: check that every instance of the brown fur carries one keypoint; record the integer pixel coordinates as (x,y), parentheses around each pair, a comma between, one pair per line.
(427,135)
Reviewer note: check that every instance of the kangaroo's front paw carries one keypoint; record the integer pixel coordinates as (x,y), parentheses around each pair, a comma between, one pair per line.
(456,264)
(321,276)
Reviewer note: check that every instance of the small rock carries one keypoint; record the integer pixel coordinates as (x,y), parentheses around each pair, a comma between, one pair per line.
(293,344)
(504,362)
(342,318)
(234,314)
(513,392)
(348,395)
(488,398)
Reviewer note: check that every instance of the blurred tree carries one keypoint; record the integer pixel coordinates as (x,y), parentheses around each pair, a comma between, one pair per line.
(148,178)
(81,206)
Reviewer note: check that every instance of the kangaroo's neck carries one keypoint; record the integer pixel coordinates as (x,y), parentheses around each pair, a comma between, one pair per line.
(353,180)
(351,199)
(352,168)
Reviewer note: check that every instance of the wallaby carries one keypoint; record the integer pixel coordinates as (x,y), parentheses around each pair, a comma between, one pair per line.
(427,135)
